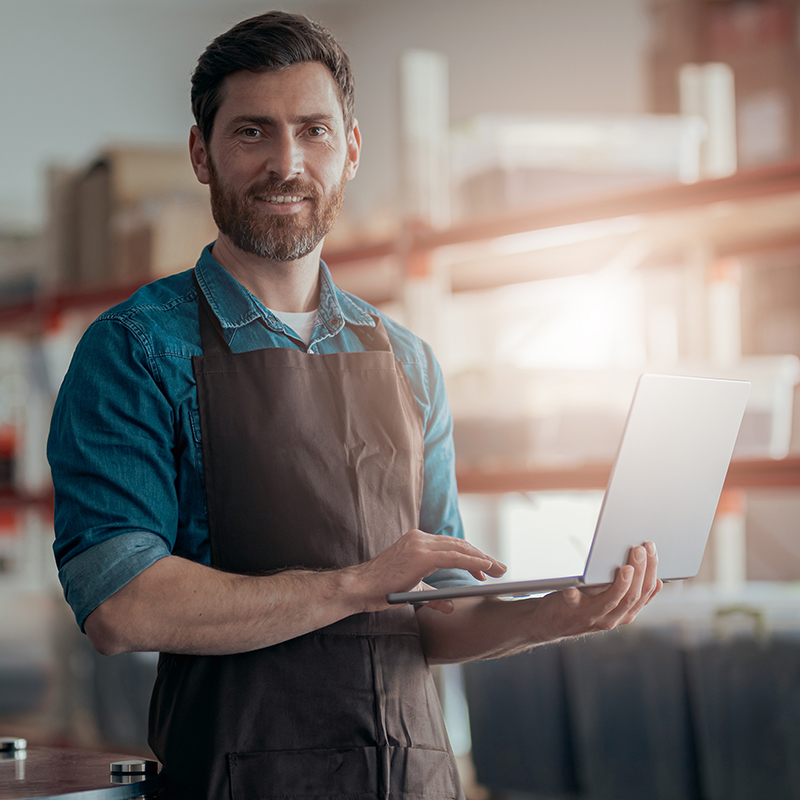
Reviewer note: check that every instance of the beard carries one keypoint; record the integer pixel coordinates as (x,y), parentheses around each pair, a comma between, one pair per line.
(278,237)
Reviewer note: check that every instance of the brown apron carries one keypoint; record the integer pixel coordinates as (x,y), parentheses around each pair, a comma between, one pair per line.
(311,461)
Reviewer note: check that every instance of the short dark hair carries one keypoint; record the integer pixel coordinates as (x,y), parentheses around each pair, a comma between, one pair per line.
(270,41)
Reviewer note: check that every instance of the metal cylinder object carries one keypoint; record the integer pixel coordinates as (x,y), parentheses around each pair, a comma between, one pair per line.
(134,766)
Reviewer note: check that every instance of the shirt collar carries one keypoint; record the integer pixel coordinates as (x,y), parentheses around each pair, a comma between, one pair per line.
(235,306)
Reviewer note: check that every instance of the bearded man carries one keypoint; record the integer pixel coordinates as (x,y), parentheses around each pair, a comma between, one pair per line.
(247,460)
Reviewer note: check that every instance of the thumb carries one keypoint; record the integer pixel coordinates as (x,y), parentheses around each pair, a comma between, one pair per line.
(445,606)
(572,597)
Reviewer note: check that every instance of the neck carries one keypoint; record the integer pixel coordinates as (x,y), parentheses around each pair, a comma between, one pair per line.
(280,285)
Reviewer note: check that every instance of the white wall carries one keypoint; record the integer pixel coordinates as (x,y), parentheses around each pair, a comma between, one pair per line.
(78,74)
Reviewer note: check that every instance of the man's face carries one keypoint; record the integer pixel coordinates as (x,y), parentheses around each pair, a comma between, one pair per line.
(278,160)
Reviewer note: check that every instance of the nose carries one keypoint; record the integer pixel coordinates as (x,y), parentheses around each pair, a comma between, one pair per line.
(286,157)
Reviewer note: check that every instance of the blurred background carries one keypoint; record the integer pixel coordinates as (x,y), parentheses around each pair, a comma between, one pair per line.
(558,195)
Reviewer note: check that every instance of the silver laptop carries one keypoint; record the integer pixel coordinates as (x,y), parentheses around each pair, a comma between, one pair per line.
(664,486)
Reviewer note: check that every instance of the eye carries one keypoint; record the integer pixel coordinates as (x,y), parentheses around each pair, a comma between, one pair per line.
(317,130)
(250,133)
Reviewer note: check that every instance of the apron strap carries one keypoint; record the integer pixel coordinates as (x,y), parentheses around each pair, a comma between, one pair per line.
(374,339)
(211,334)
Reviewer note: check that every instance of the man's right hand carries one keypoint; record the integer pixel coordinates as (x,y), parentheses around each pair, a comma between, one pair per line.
(403,566)
(179,606)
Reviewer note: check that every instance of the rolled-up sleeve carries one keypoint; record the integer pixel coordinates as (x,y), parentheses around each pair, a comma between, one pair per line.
(111,452)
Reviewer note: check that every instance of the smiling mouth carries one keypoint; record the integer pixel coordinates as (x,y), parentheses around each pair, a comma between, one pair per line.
(279,199)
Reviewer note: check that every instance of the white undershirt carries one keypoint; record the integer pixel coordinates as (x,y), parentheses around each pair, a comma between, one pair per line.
(301,322)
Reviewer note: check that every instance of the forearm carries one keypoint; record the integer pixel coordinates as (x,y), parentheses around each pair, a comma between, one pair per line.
(490,628)
(178,606)
(482,629)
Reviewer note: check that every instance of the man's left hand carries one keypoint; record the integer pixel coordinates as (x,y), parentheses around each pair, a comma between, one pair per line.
(577,611)
(490,628)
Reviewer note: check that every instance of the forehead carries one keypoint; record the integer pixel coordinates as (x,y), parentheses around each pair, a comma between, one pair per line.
(303,90)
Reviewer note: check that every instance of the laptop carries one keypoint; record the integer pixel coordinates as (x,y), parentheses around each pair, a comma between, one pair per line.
(665,485)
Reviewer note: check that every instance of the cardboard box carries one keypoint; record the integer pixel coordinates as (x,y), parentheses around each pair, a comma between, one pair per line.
(702,31)
(139,174)
(678,29)
(677,37)
(663,87)
(737,28)
(160,237)
(94,205)
(758,39)
(132,213)
(767,84)
(61,227)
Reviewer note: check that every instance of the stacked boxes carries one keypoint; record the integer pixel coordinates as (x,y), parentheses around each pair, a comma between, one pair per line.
(132,214)
(758,39)
(676,38)
(767,104)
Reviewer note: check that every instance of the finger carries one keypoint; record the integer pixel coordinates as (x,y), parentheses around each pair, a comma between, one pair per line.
(485,564)
(637,558)
(455,559)
(649,581)
(493,567)
(599,603)
(480,567)
(649,587)
(612,596)
(572,597)
(615,603)
(637,596)
(445,606)
(497,570)
(658,588)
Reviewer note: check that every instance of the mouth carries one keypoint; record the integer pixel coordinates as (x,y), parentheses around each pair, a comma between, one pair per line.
(281,199)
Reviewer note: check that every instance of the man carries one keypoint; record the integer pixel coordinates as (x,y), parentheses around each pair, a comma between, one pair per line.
(245,459)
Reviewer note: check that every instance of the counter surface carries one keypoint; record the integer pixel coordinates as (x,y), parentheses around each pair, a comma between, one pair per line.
(54,772)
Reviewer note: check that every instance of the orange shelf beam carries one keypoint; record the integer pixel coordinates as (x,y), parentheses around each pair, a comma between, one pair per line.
(10,498)
(784,473)
(764,474)
(769,181)
(746,185)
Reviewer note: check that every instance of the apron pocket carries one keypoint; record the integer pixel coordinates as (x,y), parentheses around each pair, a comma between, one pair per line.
(419,772)
(357,772)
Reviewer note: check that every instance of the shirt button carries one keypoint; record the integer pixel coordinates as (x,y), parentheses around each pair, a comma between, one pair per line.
(333,322)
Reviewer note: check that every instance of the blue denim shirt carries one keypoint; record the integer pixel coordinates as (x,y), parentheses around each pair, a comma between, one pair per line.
(125,448)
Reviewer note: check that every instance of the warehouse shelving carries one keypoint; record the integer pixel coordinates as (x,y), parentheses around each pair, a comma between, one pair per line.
(770,181)
(719,214)
(415,242)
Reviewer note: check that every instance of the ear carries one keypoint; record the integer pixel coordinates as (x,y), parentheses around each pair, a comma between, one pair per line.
(353,151)
(198,154)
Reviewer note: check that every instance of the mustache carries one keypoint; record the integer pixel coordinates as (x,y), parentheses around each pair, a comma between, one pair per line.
(297,188)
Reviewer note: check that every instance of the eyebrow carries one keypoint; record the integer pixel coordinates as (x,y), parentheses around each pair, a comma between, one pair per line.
(267,121)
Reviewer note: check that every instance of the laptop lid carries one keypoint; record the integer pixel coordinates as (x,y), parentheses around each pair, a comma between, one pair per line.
(664,486)
(668,474)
